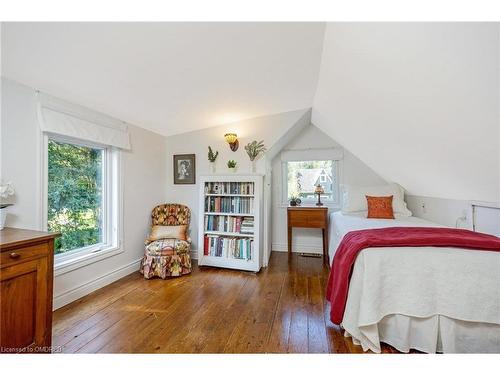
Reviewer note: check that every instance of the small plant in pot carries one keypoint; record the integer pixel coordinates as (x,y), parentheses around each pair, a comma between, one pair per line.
(295,200)
(231,164)
(212,157)
(6,190)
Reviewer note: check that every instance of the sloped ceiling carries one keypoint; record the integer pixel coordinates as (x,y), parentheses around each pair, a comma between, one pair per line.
(169,77)
(418,103)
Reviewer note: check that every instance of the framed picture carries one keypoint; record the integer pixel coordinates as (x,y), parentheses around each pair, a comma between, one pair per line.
(185,169)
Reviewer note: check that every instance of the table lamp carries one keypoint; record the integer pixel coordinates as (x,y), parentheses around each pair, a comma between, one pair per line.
(319,190)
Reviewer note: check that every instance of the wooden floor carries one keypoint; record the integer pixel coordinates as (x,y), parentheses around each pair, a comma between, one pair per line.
(282,309)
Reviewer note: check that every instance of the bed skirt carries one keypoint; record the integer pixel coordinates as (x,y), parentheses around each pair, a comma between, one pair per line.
(435,334)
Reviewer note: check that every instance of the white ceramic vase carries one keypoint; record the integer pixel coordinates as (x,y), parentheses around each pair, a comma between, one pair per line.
(212,166)
(3,215)
(254,166)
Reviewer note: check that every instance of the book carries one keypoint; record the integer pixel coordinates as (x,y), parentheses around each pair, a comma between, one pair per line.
(238,205)
(228,247)
(223,223)
(244,188)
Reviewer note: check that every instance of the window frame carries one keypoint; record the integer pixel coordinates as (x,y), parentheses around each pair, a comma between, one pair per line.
(111,201)
(336,170)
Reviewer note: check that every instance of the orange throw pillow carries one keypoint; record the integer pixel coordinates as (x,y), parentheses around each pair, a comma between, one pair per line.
(380,207)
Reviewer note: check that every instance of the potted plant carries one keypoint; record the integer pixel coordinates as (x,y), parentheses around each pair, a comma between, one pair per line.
(295,200)
(5,191)
(212,156)
(231,164)
(254,149)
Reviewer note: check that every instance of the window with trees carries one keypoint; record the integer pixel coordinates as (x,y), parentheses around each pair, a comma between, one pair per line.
(79,196)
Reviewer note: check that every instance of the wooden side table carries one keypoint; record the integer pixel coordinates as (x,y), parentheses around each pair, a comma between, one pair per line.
(309,217)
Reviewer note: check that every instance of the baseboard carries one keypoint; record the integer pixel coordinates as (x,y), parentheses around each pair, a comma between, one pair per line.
(298,248)
(97,283)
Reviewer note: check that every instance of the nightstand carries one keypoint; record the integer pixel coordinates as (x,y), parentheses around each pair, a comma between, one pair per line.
(309,217)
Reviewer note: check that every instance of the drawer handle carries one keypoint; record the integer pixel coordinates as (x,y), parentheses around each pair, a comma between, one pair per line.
(14,255)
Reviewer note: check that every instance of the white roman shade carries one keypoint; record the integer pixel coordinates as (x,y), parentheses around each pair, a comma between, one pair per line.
(60,117)
(313,154)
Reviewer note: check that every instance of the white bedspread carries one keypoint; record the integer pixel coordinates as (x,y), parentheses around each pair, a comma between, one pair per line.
(430,299)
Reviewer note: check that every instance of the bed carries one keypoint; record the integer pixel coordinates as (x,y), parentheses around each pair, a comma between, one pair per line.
(429,299)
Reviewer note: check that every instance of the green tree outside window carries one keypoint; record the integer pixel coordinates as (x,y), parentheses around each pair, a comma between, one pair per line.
(74,195)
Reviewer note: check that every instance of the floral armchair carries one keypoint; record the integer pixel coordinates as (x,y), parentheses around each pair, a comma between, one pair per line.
(167,256)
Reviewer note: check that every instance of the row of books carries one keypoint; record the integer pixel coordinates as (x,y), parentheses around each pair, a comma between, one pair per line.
(234,224)
(247,225)
(237,205)
(227,247)
(229,188)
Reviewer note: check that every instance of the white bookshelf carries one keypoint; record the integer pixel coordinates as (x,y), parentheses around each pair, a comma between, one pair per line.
(242,250)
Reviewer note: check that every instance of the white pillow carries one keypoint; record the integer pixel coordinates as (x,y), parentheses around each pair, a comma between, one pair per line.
(354,198)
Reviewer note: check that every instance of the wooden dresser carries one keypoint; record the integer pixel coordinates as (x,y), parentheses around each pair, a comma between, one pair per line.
(26,277)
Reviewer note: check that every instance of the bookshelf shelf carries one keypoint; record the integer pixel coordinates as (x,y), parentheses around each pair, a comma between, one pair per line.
(229,205)
(228,234)
(230,195)
(227,214)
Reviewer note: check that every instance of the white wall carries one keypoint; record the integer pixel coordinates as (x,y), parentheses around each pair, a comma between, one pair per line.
(20,150)
(143,174)
(268,128)
(353,172)
(457,213)
(417,102)
(442,211)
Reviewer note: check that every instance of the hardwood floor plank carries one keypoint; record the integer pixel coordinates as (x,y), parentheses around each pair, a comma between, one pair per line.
(251,332)
(281,309)
(298,340)
(229,318)
(205,322)
(280,331)
(69,315)
(99,317)
(180,313)
(164,309)
(315,317)
(109,317)
(177,341)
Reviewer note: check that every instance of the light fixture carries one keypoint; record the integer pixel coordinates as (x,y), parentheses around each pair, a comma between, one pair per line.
(232,139)
(319,190)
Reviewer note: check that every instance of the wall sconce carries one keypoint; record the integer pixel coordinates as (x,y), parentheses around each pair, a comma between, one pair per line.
(232,139)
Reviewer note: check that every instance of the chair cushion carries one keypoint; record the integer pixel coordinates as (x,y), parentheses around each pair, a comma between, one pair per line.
(168,231)
(167,246)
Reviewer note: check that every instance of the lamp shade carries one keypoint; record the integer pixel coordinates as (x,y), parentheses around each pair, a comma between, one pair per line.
(230,137)
(319,189)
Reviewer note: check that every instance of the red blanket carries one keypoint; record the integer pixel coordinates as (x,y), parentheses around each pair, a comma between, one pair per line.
(355,241)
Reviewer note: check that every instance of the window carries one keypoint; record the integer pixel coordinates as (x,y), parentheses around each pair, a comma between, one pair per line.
(81,197)
(303,176)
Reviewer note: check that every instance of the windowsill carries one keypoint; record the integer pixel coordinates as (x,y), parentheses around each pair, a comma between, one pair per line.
(331,205)
(67,265)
